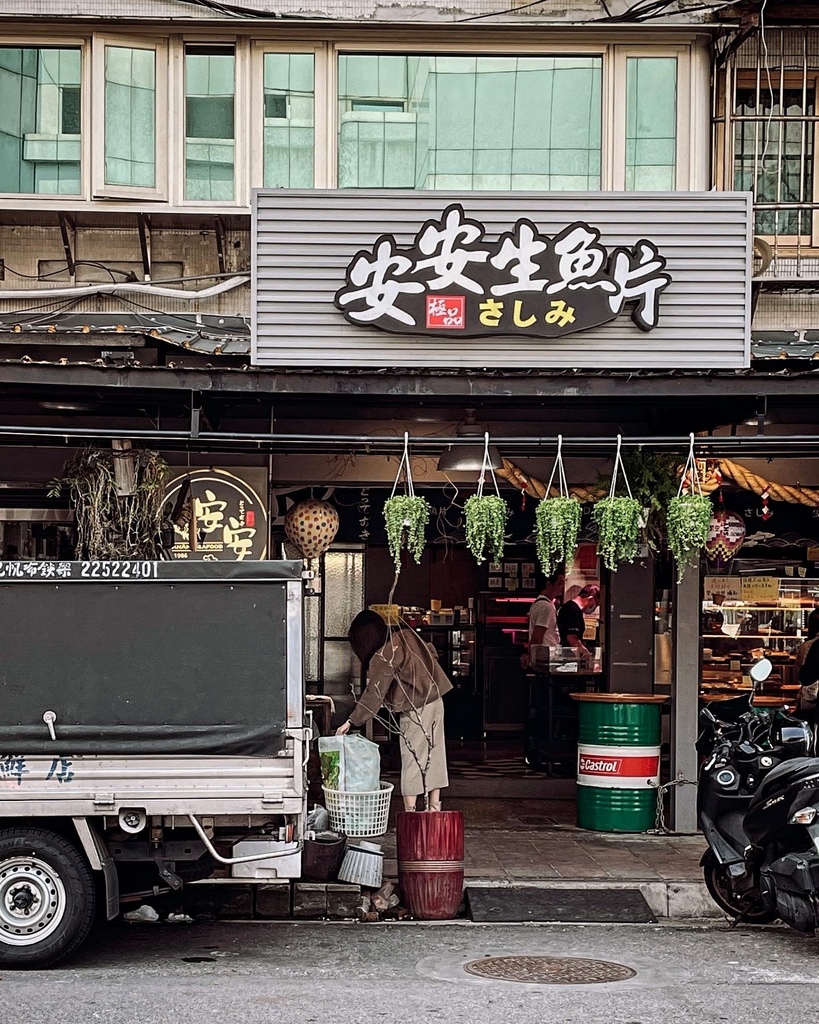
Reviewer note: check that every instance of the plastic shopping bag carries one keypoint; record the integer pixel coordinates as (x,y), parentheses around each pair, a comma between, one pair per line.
(350,763)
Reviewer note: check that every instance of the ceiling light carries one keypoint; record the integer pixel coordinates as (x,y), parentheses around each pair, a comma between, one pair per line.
(760,417)
(464,458)
(467,458)
(64,405)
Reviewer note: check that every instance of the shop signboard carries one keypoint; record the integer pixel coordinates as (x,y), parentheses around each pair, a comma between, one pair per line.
(220,514)
(501,280)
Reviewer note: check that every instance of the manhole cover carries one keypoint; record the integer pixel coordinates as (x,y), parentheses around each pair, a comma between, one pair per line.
(549,970)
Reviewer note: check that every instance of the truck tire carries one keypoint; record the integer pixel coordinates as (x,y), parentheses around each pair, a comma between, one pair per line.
(47,898)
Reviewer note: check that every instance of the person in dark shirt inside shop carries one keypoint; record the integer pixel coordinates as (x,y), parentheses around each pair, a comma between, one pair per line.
(571,621)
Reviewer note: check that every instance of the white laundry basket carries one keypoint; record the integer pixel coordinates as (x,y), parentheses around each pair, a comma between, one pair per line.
(359,814)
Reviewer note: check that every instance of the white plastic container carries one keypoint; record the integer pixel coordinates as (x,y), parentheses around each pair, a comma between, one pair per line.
(363,865)
(287,866)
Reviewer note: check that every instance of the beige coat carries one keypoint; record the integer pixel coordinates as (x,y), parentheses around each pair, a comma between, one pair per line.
(403,675)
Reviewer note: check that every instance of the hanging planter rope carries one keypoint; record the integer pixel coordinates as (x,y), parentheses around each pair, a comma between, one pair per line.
(618,520)
(405,515)
(689,516)
(486,516)
(557,520)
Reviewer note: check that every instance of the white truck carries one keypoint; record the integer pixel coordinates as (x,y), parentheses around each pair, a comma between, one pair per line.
(152,730)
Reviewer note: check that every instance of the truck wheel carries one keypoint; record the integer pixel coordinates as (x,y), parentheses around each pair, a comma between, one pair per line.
(47,898)
(719,888)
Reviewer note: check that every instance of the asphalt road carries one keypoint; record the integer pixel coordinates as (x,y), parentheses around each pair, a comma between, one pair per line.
(323,974)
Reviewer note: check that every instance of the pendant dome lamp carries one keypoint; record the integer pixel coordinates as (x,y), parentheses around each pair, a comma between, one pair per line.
(469,457)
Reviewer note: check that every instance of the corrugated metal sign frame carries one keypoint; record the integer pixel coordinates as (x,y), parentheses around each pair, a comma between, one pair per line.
(304,240)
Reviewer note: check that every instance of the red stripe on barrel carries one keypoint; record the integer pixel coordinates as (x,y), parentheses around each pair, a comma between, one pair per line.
(626,767)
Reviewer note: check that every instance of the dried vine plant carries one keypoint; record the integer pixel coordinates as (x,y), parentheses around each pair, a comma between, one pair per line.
(111,526)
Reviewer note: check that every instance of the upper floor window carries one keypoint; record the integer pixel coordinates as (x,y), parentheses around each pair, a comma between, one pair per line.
(130,116)
(152,119)
(774,133)
(289,120)
(210,146)
(429,122)
(651,124)
(40,120)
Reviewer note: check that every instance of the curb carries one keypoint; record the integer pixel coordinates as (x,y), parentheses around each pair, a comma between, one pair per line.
(670,900)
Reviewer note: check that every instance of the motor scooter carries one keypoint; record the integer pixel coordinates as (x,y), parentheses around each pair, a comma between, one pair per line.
(752,782)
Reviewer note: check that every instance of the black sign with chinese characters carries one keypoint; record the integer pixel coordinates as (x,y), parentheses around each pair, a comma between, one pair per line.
(229,515)
(454,282)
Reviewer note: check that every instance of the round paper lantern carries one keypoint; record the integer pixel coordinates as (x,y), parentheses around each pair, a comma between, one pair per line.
(725,537)
(311,526)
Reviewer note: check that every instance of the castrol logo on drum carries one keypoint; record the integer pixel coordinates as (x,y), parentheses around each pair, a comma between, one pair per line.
(607,767)
(599,766)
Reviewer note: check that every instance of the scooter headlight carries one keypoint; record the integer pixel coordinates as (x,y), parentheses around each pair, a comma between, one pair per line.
(804,817)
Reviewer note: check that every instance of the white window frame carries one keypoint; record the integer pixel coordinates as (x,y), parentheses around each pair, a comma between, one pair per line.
(81,43)
(592,48)
(101,189)
(241,120)
(255,130)
(683,171)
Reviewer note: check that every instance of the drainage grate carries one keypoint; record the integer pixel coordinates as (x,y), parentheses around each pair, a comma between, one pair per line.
(549,970)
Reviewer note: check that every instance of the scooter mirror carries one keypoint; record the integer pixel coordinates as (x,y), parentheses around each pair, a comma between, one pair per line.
(760,670)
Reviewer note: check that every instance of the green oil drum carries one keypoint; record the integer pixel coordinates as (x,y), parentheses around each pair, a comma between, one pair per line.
(618,761)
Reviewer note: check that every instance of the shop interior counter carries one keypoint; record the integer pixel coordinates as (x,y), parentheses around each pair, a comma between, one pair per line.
(551,724)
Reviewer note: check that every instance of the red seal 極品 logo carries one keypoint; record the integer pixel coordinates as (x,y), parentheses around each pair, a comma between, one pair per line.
(446,312)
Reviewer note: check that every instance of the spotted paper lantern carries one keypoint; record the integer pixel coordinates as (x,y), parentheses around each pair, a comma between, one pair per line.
(311,526)
(726,535)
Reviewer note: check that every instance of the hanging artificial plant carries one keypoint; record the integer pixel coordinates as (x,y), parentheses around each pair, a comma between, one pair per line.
(618,519)
(557,520)
(689,517)
(486,516)
(405,515)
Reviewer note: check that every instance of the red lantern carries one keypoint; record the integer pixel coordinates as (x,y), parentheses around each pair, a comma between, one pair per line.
(726,535)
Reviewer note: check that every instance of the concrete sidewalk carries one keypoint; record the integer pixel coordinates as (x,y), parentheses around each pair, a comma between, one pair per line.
(536,843)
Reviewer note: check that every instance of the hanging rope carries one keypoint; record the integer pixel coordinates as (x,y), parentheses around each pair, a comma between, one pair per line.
(730,472)
(690,476)
(558,468)
(404,465)
(487,464)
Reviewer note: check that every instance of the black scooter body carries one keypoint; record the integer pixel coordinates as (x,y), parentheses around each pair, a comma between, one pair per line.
(758,865)
(785,854)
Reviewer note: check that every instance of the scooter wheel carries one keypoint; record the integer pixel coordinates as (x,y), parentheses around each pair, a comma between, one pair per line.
(719,886)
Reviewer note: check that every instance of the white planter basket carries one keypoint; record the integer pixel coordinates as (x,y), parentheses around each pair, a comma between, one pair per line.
(359,814)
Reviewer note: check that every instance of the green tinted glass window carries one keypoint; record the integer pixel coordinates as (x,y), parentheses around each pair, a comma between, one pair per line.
(40,105)
(424,122)
(209,123)
(289,120)
(130,116)
(651,124)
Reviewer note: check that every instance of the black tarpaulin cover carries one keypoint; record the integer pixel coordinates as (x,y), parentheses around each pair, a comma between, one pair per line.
(192,660)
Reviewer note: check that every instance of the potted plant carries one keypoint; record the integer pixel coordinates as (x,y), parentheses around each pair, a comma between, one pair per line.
(688,518)
(618,519)
(405,516)
(557,520)
(117,497)
(557,524)
(486,516)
